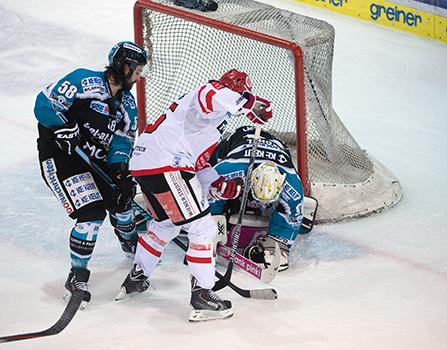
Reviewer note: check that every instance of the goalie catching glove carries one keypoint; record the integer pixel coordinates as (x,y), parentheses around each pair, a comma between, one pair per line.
(263,251)
(257,109)
(126,186)
(226,189)
(67,137)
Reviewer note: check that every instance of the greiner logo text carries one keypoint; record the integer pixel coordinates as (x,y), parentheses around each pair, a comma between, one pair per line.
(336,3)
(394,15)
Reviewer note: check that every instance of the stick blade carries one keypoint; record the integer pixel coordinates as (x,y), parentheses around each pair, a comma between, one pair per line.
(264,294)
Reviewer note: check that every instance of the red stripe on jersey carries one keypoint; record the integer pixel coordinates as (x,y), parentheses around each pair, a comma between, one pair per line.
(149,248)
(202,160)
(167,201)
(157,239)
(209,100)
(150,128)
(165,169)
(200,101)
(198,260)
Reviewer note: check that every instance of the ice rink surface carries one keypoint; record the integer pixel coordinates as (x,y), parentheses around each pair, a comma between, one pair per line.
(374,283)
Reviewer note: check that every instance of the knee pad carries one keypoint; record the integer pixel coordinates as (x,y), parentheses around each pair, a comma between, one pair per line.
(202,230)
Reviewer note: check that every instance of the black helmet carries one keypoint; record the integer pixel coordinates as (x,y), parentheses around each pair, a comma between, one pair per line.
(127,52)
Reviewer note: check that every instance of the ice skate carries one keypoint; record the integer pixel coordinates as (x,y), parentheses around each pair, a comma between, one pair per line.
(77,281)
(135,282)
(207,305)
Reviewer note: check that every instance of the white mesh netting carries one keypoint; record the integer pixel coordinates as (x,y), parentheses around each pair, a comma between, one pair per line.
(346,180)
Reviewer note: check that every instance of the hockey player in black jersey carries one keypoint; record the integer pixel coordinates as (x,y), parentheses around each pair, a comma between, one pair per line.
(93,110)
(274,211)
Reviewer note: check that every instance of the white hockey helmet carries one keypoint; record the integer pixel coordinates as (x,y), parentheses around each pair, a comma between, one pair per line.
(267,182)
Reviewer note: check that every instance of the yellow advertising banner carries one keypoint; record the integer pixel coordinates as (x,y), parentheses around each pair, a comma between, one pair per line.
(394,15)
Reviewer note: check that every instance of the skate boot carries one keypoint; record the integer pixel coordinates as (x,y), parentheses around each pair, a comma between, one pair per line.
(207,305)
(129,246)
(77,281)
(135,282)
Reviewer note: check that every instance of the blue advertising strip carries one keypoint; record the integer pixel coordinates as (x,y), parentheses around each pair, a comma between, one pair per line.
(436,3)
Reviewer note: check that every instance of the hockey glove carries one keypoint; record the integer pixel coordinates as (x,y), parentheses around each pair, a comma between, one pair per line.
(257,109)
(67,137)
(263,251)
(126,186)
(226,189)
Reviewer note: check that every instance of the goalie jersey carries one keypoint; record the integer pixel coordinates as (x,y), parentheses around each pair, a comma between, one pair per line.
(231,158)
(184,137)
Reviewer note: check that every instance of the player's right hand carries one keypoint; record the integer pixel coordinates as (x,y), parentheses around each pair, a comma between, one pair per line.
(257,109)
(226,189)
(67,137)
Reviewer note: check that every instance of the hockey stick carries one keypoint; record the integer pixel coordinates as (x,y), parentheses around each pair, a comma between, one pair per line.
(66,317)
(265,275)
(265,294)
(237,228)
(268,294)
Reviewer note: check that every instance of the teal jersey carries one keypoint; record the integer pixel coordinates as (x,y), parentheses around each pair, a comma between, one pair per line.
(107,123)
(231,159)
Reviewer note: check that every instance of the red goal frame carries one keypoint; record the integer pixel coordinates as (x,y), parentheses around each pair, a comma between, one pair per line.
(195,16)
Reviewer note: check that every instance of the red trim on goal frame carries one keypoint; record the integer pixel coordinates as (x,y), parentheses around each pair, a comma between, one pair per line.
(301,125)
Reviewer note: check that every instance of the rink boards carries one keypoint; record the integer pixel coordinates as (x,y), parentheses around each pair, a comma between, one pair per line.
(427,18)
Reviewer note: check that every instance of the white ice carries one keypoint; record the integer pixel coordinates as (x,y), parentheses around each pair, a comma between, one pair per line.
(374,283)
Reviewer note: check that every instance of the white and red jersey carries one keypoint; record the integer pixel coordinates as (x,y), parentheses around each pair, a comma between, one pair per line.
(184,137)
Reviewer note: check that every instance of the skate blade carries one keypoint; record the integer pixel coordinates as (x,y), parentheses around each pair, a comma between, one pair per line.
(67,297)
(209,315)
(122,294)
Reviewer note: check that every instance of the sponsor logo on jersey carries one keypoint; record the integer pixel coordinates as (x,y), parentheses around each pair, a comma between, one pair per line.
(291,192)
(234,175)
(95,84)
(94,151)
(49,169)
(58,102)
(295,220)
(92,81)
(82,189)
(104,138)
(100,107)
(129,101)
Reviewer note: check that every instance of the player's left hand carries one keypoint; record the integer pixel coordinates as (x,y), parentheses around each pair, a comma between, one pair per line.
(126,186)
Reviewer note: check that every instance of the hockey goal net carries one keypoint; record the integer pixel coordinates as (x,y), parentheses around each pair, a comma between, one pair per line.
(289,59)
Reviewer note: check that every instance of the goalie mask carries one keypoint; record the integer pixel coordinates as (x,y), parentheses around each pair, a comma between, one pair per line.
(267,182)
(236,81)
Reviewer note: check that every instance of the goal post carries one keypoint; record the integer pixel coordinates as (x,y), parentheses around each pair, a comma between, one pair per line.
(289,59)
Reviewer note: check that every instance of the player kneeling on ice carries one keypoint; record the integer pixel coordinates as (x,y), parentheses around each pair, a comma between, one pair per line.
(170,162)
(95,111)
(274,211)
